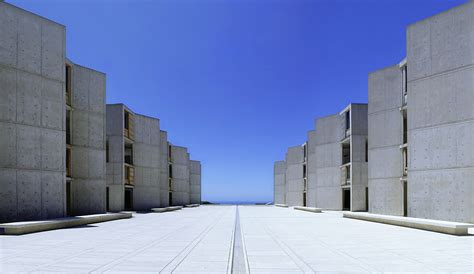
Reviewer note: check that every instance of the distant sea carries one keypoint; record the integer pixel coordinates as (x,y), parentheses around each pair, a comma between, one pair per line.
(239,202)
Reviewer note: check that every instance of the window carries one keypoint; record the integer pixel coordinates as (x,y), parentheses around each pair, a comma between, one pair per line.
(366,151)
(169,153)
(129,175)
(170,171)
(304,171)
(128,153)
(68,162)
(68,127)
(346,153)
(68,84)
(348,120)
(405,128)
(107,151)
(128,124)
(404,84)
(405,161)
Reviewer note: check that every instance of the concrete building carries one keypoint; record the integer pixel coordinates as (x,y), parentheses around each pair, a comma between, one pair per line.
(354,162)
(311,168)
(295,176)
(165,181)
(327,165)
(133,160)
(51,122)
(195,182)
(434,126)
(279,183)
(179,176)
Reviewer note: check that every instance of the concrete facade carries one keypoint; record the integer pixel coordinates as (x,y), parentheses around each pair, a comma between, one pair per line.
(279,183)
(440,60)
(51,123)
(327,166)
(195,182)
(180,184)
(86,117)
(386,189)
(295,160)
(354,165)
(311,186)
(164,168)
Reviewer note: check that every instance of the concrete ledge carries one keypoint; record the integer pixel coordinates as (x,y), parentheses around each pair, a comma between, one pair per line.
(166,209)
(281,205)
(310,209)
(192,205)
(19,228)
(452,228)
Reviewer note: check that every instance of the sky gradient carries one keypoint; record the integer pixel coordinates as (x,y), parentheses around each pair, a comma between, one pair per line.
(237,82)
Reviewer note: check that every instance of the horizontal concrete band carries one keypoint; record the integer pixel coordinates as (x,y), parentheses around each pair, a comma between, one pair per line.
(452,228)
(166,209)
(19,228)
(192,205)
(281,205)
(309,209)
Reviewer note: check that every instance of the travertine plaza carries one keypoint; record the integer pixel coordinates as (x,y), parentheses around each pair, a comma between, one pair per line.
(64,152)
(409,151)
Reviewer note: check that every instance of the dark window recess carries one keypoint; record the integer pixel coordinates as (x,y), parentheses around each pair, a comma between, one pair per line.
(348,120)
(170,167)
(405,129)
(107,151)
(346,198)
(304,171)
(170,198)
(68,127)
(346,154)
(126,117)
(128,198)
(129,154)
(366,151)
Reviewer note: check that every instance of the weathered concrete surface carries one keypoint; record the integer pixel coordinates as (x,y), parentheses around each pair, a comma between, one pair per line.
(440,56)
(385,138)
(294,176)
(279,182)
(327,167)
(20,228)
(88,182)
(195,182)
(32,116)
(452,228)
(311,168)
(180,175)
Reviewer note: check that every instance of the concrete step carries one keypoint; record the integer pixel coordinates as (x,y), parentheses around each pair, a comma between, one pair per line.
(452,228)
(192,205)
(19,228)
(281,205)
(309,209)
(166,209)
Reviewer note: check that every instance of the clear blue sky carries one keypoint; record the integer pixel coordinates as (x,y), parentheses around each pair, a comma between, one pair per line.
(236,82)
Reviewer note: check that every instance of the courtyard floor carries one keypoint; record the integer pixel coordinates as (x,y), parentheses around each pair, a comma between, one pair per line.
(221,239)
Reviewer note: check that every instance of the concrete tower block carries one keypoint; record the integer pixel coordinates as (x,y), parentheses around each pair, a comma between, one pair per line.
(195,182)
(385,137)
(294,176)
(279,182)
(180,175)
(32,112)
(311,168)
(164,169)
(441,118)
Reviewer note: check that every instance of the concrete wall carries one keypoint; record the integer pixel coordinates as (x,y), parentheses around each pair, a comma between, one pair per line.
(359,165)
(328,150)
(279,186)
(385,138)
(440,56)
(32,116)
(195,182)
(114,167)
(164,169)
(88,141)
(180,175)
(294,176)
(311,147)
(146,153)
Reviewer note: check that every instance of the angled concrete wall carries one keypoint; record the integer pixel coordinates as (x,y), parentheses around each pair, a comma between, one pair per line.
(328,150)
(311,146)
(32,116)
(385,138)
(115,164)
(88,169)
(440,56)
(359,165)
(294,176)
(195,182)
(180,175)
(146,160)
(164,169)
(279,186)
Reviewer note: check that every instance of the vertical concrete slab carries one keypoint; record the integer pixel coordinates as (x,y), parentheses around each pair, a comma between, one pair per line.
(195,182)
(32,57)
(385,137)
(279,182)
(88,140)
(146,150)
(180,175)
(115,163)
(441,117)
(164,169)
(328,150)
(312,184)
(294,176)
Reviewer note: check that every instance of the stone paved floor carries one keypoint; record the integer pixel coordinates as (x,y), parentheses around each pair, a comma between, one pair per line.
(201,239)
